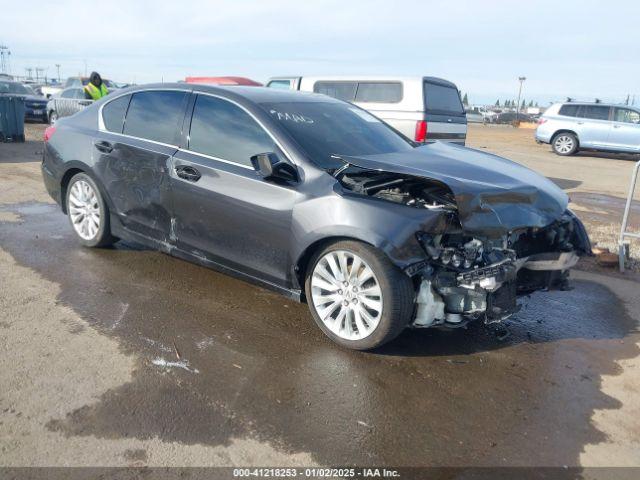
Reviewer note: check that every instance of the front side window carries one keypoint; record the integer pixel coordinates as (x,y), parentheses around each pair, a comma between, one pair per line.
(113,113)
(626,115)
(442,99)
(156,115)
(345,91)
(595,112)
(379,92)
(281,84)
(223,130)
(325,130)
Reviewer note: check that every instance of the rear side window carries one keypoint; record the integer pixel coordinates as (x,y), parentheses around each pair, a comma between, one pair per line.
(341,90)
(569,110)
(113,113)
(595,112)
(155,115)
(379,92)
(223,130)
(442,99)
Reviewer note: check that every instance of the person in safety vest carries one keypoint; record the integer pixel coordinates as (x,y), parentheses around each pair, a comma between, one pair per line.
(95,89)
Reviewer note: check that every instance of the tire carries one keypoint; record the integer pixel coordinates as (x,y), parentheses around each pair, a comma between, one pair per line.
(369,327)
(88,213)
(53,117)
(564,144)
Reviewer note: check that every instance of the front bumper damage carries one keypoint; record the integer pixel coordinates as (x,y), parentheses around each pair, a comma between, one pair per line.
(505,231)
(488,293)
(479,288)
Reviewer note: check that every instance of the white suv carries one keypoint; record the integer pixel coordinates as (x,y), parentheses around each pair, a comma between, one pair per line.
(572,126)
(421,108)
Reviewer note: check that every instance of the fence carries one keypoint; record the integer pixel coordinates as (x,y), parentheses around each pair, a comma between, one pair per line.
(623,248)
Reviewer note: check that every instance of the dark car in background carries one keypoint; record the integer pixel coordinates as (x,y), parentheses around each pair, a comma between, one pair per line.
(35,105)
(317,199)
(508,118)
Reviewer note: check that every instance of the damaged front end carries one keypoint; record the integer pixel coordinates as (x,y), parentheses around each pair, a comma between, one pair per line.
(469,273)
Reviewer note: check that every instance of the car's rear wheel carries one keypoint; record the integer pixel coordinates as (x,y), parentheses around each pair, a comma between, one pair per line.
(565,143)
(53,117)
(356,295)
(88,212)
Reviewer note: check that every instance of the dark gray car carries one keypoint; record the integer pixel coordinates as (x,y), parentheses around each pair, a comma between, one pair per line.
(317,199)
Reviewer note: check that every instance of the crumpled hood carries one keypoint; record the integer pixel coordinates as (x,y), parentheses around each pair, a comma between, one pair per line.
(494,195)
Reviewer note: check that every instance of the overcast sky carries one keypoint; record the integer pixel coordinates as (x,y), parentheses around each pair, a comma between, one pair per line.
(564,48)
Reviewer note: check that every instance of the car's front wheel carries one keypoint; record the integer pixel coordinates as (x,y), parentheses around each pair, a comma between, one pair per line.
(88,212)
(53,117)
(356,295)
(565,143)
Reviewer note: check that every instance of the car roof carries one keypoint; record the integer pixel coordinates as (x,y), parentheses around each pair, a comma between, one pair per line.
(369,78)
(599,104)
(253,94)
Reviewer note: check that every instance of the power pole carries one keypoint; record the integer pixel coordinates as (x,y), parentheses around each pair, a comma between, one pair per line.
(39,70)
(521,80)
(58,69)
(29,73)
(5,53)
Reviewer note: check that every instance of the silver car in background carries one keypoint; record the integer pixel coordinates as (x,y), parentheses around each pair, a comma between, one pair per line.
(69,101)
(421,108)
(573,126)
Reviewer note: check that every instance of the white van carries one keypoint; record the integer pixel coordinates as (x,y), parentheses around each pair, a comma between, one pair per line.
(422,108)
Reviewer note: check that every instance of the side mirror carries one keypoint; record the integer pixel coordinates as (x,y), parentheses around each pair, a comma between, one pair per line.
(270,167)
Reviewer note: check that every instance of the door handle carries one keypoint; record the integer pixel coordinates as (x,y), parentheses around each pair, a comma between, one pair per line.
(616,126)
(187,172)
(104,147)
(580,123)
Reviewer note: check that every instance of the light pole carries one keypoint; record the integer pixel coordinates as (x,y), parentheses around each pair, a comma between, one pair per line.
(521,80)
(58,69)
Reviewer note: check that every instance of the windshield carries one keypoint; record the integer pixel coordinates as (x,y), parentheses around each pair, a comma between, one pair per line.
(328,129)
(12,87)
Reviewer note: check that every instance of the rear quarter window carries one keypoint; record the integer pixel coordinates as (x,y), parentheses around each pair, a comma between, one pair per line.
(113,113)
(156,115)
(569,110)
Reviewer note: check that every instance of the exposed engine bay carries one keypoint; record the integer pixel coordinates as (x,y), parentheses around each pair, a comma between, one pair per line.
(469,276)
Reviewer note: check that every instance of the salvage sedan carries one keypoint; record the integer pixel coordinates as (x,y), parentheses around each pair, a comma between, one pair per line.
(317,199)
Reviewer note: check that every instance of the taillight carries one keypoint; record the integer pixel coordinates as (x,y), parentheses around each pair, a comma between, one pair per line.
(541,121)
(48,132)
(421,131)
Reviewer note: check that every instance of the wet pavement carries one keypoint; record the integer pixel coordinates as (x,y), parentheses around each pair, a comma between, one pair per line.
(218,359)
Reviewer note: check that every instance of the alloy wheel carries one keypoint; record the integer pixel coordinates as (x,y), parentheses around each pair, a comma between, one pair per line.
(84,210)
(563,144)
(346,295)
